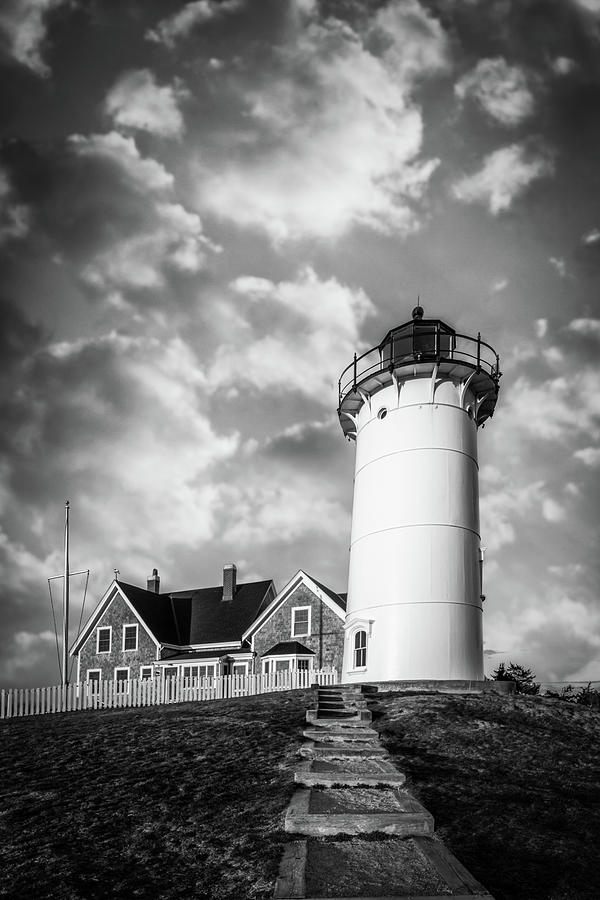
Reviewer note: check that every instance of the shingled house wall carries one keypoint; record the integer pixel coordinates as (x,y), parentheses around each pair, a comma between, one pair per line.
(118,614)
(327,630)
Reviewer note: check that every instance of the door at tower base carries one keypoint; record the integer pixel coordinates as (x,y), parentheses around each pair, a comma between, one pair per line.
(414,642)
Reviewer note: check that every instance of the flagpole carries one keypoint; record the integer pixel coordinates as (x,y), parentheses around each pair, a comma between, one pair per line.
(65,660)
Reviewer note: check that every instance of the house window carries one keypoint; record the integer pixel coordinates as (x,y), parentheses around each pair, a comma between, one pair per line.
(303,664)
(130,637)
(145,673)
(93,679)
(301,621)
(121,680)
(103,640)
(240,668)
(282,665)
(360,649)
(206,671)
(266,666)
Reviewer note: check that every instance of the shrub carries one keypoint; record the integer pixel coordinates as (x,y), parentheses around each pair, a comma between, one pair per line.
(524,678)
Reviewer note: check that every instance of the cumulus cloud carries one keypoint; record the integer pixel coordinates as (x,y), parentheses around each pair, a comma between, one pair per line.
(589,456)
(505,175)
(586,326)
(174,239)
(591,6)
(138,433)
(180,25)
(149,233)
(332,136)
(14,217)
(23,28)
(563,65)
(592,236)
(559,265)
(501,90)
(144,172)
(297,335)
(136,101)
(499,285)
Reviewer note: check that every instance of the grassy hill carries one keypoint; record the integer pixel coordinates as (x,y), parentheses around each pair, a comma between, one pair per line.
(513,785)
(187,801)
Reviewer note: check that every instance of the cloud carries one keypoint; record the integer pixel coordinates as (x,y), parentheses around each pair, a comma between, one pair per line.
(145,173)
(563,65)
(332,136)
(590,456)
(142,234)
(499,285)
(501,90)
(136,101)
(14,217)
(558,265)
(586,326)
(552,511)
(120,424)
(23,27)
(591,6)
(505,175)
(173,239)
(296,335)
(592,236)
(180,25)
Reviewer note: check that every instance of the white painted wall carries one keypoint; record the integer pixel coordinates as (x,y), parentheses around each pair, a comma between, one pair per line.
(414,555)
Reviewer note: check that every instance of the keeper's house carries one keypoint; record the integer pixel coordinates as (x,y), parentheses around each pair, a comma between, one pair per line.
(230,629)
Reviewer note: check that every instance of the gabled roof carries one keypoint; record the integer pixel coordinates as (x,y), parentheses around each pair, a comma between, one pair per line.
(187,618)
(340,599)
(213,620)
(335,602)
(289,648)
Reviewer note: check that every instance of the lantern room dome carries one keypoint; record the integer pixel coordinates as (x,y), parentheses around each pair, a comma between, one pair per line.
(415,349)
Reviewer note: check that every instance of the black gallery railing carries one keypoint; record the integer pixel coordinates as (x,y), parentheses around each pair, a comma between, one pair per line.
(417,345)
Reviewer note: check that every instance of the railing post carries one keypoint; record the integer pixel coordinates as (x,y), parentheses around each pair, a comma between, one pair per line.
(478,351)
(354,384)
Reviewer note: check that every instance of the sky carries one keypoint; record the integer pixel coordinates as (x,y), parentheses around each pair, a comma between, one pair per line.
(207,208)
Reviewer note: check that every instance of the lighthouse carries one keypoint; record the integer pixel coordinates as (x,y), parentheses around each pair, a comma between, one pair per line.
(413,405)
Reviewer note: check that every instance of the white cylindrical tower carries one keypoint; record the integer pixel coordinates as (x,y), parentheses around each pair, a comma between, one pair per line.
(413,406)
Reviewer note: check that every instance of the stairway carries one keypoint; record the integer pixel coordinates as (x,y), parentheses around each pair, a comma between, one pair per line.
(360,831)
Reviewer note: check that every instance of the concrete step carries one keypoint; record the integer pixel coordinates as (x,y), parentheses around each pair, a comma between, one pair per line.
(390,869)
(341,749)
(356,811)
(348,772)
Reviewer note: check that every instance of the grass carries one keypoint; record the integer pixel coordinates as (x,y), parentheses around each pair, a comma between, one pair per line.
(514,786)
(182,801)
(187,801)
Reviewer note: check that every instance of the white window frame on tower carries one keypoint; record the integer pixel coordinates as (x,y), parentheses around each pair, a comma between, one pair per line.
(356,628)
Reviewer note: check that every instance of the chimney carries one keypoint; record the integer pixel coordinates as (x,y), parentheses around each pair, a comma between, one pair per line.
(153,583)
(229,577)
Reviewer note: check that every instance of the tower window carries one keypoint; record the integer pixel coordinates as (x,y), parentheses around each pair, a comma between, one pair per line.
(360,649)
(382,413)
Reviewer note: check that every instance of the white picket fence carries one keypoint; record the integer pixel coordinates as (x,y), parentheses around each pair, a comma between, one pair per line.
(151,692)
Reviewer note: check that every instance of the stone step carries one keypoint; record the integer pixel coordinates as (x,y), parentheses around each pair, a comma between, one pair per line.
(356,811)
(363,715)
(337,732)
(348,773)
(341,749)
(390,869)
